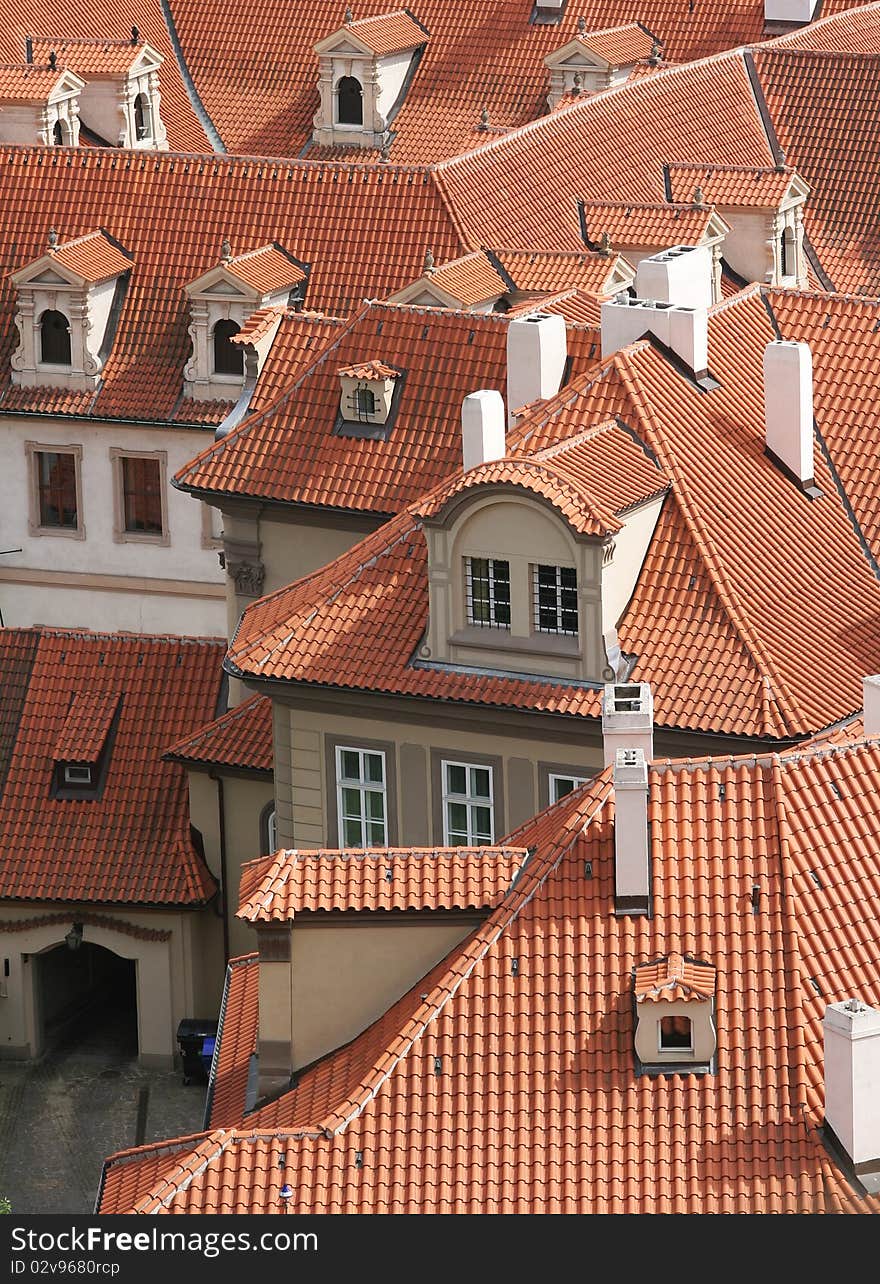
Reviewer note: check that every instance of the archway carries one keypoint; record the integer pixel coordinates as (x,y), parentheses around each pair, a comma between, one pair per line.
(86,999)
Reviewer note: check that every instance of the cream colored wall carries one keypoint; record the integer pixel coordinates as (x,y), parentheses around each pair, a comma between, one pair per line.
(301,785)
(619,575)
(748,246)
(523,532)
(647,1036)
(172,982)
(346,975)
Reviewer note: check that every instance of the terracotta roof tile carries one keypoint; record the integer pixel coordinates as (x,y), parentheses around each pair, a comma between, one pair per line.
(646,225)
(279,887)
(432,1109)
(87,726)
(470,279)
(389,33)
(673,977)
(27,82)
(578,308)
(734,185)
(257,326)
(267,269)
(131,842)
(242,738)
(90,58)
(236,1043)
(552,272)
(95,257)
(369,370)
(619,45)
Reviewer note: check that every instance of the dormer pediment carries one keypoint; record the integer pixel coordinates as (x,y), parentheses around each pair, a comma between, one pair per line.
(48,277)
(575,54)
(343,45)
(221,286)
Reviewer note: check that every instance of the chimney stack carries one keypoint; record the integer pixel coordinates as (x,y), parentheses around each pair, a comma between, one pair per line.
(871,704)
(681,276)
(683,329)
(482,428)
(788,409)
(627,719)
(536,353)
(852,1079)
(632,885)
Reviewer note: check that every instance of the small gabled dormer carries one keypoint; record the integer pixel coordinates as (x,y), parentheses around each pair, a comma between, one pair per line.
(369,393)
(223,302)
(674,1000)
(596,60)
(68,301)
(82,751)
(39,105)
(366,67)
(120,100)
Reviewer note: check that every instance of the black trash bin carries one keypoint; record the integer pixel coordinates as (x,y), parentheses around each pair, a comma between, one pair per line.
(196,1040)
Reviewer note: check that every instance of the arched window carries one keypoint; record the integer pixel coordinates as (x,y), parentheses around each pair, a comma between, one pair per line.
(54,339)
(349,101)
(57,135)
(228,357)
(787,264)
(142,118)
(365,402)
(268,836)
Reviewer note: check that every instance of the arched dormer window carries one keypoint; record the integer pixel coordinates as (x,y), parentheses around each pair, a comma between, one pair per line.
(787,257)
(228,357)
(54,339)
(349,101)
(57,135)
(142,127)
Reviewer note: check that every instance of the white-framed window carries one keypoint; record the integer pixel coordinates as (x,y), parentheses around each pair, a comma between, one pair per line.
(561,785)
(468,805)
(487,592)
(676,1034)
(361,797)
(77,775)
(554,595)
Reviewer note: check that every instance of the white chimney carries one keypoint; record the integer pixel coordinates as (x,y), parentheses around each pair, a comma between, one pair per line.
(482,428)
(852,1078)
(788,407)
(791,12)
(681,276)
(684,330)
(631,857)
(627,719)
(536,353)
(871,703)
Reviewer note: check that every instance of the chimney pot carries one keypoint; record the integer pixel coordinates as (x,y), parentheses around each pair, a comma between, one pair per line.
(681,275)
(536,354)
(788,408)
(852,1078)
(683,329)
(482,428)
(627,719)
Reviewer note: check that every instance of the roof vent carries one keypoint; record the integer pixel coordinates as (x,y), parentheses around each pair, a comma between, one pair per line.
(627,720)
(788,410)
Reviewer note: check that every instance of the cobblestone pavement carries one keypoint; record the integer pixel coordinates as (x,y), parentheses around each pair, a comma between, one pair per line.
(61,1117)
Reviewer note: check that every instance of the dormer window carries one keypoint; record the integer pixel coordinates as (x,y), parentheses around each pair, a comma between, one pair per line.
(57,134)
(369,394)
(365,70)
(349,101)
(39,105)
(228,357)
(67,304)
(364,402)
(84,744)
(54,339)
(596,60)
(675,1015)
(554,594)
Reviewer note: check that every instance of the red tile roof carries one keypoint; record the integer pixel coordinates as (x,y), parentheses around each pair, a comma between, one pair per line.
(646,225)
(470,279)
(267,269)
(579,309)
(257,326)
(288,451)
(130,843)
(363,237)
(236,1042)
(733,185)
(389,33)
(27,82)
(432,1109)
(619,45)
(87,726)
(91,59)
(369,370)
(552,272)
(673,978)
(717,633)
(298,341)
(277,888)
(95,257)
(241,738)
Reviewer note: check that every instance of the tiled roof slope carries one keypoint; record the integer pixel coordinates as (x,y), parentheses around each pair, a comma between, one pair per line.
(620,45)
(131,843)
(823,107)
(550,272)
(773,646)
(240,738)
(645,224)
(363,238)
(236,1042)
(27,83)
(289,452)
(95,257)
(66,19)
(89,56)
(264,102)
(438,1100)
(469,279)
(855,28)
(731,184)
(388,33)
(276,888)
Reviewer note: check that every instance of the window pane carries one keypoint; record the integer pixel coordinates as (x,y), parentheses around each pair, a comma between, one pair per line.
(480,782)
(675,1032)
(376,831)
(352,834)
(351,766)
(375,805)
(142,498)
(481,822)
(456,779)
(56,485)
(374,772)
(351,802)
(560,786)
(456,815)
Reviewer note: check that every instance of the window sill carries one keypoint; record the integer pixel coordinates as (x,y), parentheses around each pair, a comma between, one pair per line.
(63,532)
(561,645)
(142,537)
